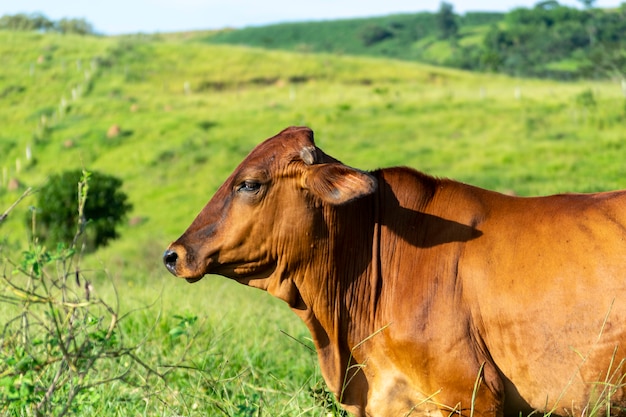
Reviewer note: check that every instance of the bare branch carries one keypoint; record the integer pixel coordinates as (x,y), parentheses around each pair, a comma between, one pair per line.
(26,193)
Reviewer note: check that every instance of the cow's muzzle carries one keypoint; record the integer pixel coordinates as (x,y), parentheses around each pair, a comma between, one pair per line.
(169,259)
(172,258)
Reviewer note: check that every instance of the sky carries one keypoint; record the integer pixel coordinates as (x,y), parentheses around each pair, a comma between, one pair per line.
(113,17)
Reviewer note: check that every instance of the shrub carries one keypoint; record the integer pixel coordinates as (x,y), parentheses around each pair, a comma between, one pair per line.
(57,215)
(59,340)
(586,99)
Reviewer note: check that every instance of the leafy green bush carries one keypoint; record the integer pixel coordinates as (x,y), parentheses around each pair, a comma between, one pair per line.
(57,216)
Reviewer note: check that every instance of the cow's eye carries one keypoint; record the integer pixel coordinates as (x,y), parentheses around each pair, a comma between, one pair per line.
(249,186)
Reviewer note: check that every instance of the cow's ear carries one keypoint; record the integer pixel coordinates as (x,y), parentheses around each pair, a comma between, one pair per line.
(337,183)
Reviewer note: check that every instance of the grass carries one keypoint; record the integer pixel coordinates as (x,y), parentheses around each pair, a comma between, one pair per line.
(189,112)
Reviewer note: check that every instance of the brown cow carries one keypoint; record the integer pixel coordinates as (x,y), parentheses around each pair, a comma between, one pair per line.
(426,296)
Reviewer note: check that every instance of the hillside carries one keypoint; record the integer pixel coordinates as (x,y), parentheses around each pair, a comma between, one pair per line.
(412,37)
(186,113)
(548,41)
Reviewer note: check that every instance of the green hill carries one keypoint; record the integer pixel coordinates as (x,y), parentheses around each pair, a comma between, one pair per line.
(549,40)
(413,37)
(187,112)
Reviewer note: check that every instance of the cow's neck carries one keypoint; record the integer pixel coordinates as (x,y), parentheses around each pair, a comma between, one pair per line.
(342,288)
(338,300)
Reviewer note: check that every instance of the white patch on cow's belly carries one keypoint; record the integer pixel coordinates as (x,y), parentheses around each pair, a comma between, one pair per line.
(391,395)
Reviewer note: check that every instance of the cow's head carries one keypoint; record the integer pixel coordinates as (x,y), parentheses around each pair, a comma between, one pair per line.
(268,216)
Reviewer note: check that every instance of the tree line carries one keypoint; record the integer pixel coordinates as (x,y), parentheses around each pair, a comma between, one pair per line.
(39,22)
(548,40)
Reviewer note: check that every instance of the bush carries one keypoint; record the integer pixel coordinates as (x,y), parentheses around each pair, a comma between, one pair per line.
(57,216)
(62,346)
(60,341)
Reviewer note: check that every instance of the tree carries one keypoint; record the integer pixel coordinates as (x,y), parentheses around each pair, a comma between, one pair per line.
(58,207)
(77,26)
(39,22)
(21,21)
(446,21)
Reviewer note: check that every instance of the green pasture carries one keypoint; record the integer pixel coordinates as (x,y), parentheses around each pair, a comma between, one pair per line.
(188,113)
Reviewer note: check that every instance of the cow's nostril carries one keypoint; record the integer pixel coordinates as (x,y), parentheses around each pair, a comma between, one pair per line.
(169,259)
